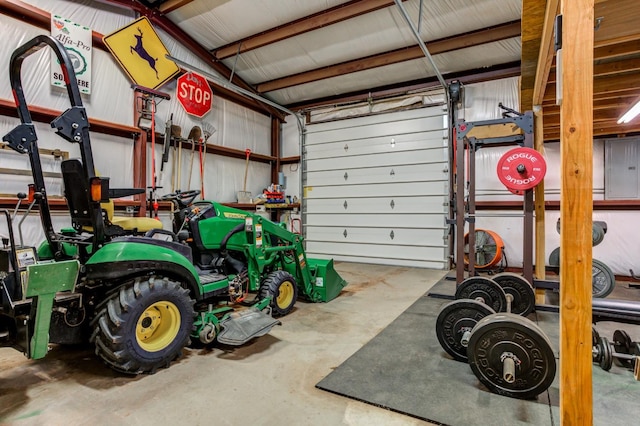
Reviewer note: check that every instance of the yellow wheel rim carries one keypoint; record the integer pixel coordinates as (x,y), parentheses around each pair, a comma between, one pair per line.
(285,294)
(158,326)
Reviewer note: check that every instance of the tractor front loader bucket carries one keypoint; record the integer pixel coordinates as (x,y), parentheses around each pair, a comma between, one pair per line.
(327,282)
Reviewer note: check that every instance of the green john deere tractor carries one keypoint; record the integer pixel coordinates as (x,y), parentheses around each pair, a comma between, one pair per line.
(220,274)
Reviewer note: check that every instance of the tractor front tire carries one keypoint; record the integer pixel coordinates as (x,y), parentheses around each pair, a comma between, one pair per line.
(282,288)
(144,326)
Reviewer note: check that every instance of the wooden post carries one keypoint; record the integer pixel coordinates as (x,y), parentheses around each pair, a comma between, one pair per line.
(538,143)
(576,208)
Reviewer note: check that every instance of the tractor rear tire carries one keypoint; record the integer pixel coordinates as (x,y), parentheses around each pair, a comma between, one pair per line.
(144,326)
(282,288)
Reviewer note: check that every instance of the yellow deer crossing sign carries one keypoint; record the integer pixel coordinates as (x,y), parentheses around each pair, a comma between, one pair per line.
(141,53)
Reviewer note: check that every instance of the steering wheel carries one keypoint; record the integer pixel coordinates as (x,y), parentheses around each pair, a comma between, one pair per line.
(183,198)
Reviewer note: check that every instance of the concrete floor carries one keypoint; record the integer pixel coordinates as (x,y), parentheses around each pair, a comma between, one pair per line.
(270,381)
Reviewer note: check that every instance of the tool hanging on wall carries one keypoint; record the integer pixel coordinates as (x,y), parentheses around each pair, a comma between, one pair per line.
(154,194)
(165,150)
(194,135)
(203,156)
(146,106)
(176,139)
(244,196)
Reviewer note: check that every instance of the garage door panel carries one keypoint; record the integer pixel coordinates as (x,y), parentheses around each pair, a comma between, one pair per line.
(376,189)
(390,205)
(376,220)
(385,129)
(391,159)
(383,144)
(382,190)
(388,236)
(377,251)
(412,173)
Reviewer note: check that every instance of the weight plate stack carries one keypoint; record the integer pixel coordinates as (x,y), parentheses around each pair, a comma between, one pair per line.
(602,279)
(483,289)
(622,344)
(604,356)
(504,337)
(454,319)
(521,291)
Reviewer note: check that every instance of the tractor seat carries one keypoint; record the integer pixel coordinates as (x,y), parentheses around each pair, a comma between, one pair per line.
(140,225)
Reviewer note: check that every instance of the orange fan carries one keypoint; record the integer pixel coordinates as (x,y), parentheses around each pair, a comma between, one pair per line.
(488,249)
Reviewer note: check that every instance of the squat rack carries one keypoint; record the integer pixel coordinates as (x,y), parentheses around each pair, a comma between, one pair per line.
(512,128)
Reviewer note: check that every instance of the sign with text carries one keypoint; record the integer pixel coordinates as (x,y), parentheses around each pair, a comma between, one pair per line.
(77,40)
(194,94)
(139,50)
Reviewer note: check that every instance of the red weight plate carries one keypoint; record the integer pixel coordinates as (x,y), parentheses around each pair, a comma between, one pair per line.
(521,168)
(516,191)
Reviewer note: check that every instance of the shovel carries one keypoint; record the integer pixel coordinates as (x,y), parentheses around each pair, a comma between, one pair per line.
(244,196)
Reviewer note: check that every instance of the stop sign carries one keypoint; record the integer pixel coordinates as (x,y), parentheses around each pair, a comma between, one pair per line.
(194,93)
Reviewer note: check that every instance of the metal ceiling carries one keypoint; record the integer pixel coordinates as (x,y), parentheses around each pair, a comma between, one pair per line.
(302,53)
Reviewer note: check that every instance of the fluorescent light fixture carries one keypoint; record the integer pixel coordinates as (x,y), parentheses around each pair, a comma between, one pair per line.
(631,114)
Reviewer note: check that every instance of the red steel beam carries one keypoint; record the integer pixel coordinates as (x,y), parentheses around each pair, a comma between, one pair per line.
(300,26)
(449,44)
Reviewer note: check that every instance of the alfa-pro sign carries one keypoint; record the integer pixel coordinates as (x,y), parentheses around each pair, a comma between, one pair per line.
(77,40)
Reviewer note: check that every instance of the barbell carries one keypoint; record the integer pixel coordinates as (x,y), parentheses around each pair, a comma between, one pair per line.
(508,353)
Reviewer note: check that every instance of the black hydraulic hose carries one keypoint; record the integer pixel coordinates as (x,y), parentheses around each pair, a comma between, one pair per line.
(223,243)
(236,264)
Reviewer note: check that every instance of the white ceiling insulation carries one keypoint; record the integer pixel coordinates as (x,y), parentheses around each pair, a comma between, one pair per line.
(216,23)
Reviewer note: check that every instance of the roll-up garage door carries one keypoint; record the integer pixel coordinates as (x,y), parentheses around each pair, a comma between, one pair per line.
(376,188)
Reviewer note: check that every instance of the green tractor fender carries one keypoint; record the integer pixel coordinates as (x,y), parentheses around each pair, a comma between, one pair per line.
(134,256)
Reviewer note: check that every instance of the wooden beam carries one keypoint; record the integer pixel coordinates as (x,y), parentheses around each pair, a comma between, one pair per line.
(300,26)
(617,50)
(538,192)
(494,131)
(474,38)
(532,23)
(600,130)
(619,24)
(547,52)
(607,115)
(621,101)
(576,210)
(609,85)
(603,69)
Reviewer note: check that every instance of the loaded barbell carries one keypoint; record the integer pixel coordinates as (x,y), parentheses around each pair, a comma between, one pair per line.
(603,354)
(625,352)
(509,354)
(476,298)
